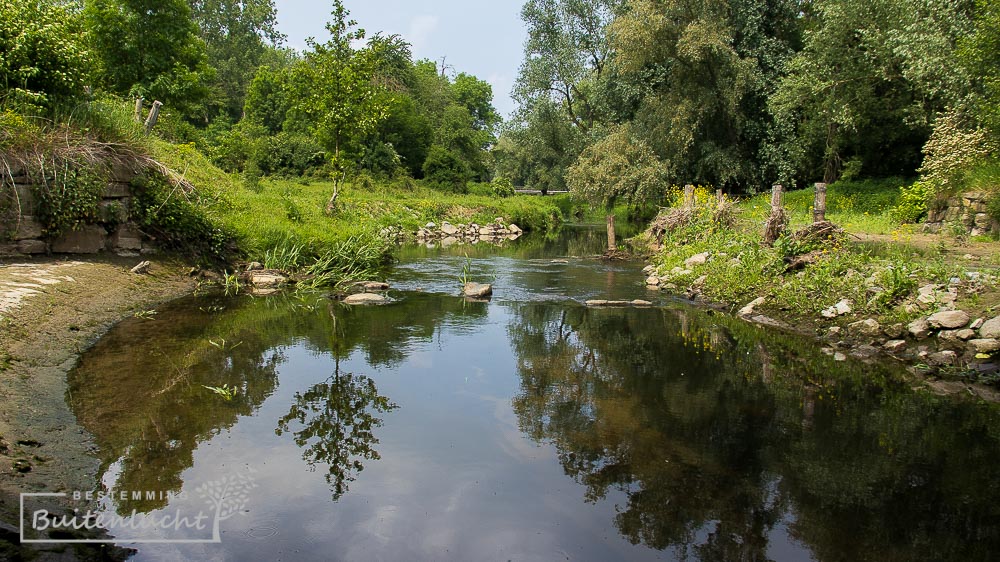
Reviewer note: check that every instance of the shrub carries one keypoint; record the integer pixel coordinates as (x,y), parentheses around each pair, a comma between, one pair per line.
(952,150)
(913,203)
(444,170)
(502,187)
(172,215)
(287,154)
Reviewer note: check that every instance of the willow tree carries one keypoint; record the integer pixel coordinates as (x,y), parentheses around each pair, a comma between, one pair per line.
(617,169)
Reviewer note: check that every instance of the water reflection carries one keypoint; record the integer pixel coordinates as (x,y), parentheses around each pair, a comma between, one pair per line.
(718,437)
(333,423)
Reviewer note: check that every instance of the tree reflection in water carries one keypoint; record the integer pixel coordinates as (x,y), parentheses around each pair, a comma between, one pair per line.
(333,422)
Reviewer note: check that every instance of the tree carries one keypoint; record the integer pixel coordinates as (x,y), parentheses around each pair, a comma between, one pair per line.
(980,54)
(617,169)
(869,82)
(150,48)
(538,146)
(237,35)
(336,92)
(44,58)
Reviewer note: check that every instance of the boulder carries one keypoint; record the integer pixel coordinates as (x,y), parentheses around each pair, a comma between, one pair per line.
(264,280)
(947,357)
(365,298)
(894,346)
(370,286)
(987,345)
(990,328)
(477,290)
(697,259)
(949,319)
(32,247)
(88,240)
(28,228)
(126,237)
(841,308)
(640,302)
(653,281)
(448,229)
(514,229)
(141,268)
(867,327)
(748,309)
(919,328)
(648,269)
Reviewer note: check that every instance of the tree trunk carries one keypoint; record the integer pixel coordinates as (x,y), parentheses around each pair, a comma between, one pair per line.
(612,244)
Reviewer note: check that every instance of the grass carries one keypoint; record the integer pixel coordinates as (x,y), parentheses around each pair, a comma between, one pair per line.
(880,279)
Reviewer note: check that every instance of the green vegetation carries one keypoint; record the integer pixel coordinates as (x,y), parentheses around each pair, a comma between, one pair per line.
(802,275)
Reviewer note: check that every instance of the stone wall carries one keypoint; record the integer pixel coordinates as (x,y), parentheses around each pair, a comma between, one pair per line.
(22,234)
(967,211)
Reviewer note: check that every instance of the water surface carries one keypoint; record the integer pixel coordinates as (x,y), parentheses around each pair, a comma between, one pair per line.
(530,427)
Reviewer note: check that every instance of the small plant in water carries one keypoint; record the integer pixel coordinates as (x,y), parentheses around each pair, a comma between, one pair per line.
(145,314)
(466,271)
(225,391)
(231,283)
(223,344)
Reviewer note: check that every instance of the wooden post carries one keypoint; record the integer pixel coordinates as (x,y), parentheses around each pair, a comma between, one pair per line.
(819,205)
(720,198)
(612,243)
(689,197)
(154,114)
(776,192)
(138,110)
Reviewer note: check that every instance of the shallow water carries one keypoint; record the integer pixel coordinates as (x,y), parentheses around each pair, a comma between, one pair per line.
(528,427)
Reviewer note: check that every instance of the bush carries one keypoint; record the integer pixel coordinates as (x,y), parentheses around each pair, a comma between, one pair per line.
(502,187)
(444,170)
(44,59)
(913,202)
(172,215)
(287,154)
(952,150)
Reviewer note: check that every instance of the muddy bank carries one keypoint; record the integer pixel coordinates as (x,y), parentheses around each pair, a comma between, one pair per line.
(50,311)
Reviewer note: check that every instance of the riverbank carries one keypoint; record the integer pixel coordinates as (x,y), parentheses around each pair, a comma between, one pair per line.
(861,284)
(51,310)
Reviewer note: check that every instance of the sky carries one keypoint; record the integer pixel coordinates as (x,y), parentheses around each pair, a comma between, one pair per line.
(484,38)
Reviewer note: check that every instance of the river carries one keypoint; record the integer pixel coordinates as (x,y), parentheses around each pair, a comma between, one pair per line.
(527,427)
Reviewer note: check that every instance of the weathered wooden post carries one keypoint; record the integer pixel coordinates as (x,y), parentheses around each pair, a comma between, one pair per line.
(778,220)
(154,114)
(689,197)
(138,110)
(612,242)
(819,205)
(720,198)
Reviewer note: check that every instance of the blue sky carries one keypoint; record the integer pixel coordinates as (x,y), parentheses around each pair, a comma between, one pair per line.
(479,37)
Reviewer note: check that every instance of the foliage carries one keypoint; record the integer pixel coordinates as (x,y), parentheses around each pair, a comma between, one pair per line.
(445,170)
(150,49)
(44,59)
(617,169)
(952,150)
(913,201)
(979,53)
(69,197)
(176,218)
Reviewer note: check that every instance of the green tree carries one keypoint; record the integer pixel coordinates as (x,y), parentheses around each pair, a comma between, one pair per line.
(237,35)
(538,146)
(43,56)
(617,169)
(869,82)
(335,91)
(980,54)
(150,48)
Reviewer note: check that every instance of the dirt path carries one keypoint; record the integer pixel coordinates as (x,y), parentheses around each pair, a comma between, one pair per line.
(50,311)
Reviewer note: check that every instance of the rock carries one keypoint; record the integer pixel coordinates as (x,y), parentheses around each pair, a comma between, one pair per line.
(894,331)
(267,280)
(430,226)
(949,319)
(748,309)
(477,290)
(126,237)
(485,231)
(838,356)
(365,298)
(990,328)
(28,228)
(986,345)
(950,339)
(514,229)
(597,302)
(699,281)
(697,259)
(448,229)
(894,346)
(32,247)
(117,189)
(255,266)
(834,331)
(142,268)
(841,308)
(88,240)
(919,328)
(940,358)
(653,280)
(867,327)
(977,323)
(648,269)
(370,286)
(965,334)
(640,302)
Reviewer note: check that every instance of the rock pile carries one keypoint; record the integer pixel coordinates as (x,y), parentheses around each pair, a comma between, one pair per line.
(448,233)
